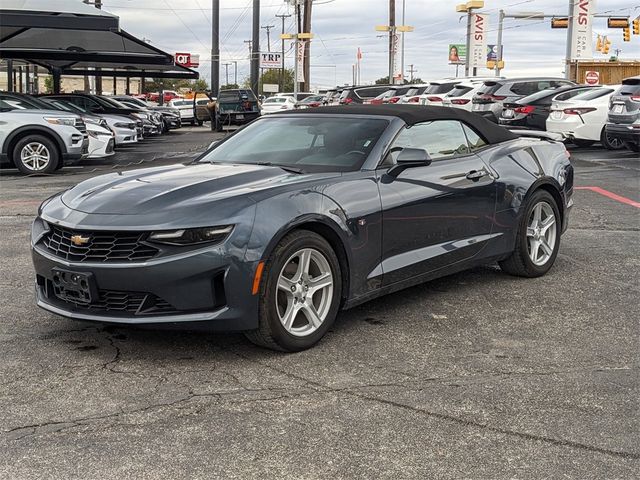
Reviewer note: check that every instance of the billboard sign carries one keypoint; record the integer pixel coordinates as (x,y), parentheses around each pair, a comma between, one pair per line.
(457,53)
(187,59)
(582,29)
(479,28)
(271,60)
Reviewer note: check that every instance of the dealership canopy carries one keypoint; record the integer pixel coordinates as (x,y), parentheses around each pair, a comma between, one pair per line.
(68,37)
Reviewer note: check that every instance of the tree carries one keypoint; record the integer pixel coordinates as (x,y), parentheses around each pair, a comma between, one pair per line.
(48,84)
(383,81)
(272,76)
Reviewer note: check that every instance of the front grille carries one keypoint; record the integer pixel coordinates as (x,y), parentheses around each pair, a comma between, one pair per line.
(116,302)
(99,247)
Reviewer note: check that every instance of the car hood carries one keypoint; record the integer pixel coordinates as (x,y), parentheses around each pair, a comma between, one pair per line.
(177,187)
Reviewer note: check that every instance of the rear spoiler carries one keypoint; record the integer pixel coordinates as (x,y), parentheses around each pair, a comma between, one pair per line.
(549,136)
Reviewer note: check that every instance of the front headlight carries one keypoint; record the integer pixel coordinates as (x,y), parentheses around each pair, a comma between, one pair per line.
(192,236)
(142,116)
(69,122)
(124,125)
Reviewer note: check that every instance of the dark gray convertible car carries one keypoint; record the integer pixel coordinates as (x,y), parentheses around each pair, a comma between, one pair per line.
(280,225)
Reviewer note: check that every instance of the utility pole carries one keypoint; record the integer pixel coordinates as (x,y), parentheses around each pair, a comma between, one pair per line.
(249,42)
(307,45)
(268,29)
(282,17)
(392,35)
(411,71)
(226,71)
(235,72)
(215,48)
(255,48)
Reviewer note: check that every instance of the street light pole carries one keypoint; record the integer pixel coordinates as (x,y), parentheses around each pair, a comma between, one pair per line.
(392,34)
(499,43)
(402,48)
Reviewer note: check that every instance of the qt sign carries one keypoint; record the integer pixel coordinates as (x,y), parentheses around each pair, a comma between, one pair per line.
(187,59)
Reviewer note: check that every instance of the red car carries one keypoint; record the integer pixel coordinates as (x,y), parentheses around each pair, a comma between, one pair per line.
(168,95)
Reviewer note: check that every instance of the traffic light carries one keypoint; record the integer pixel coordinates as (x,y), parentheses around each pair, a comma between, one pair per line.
(626,34)
(599,44)
(636,26)
(618,22)
(560,22)
(606,45)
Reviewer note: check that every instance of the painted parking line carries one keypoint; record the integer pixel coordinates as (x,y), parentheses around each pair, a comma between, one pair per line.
(611,195)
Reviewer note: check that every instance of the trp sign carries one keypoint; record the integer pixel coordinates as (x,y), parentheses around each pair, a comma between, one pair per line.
(271,60)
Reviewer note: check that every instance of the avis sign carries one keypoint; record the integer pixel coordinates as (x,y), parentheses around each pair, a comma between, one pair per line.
(187,59)
(271,60)
(581,29)
(478,50)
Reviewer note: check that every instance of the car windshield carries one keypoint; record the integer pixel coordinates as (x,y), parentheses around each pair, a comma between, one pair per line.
(593,94)
(276,100)
(305,143)
(113,103)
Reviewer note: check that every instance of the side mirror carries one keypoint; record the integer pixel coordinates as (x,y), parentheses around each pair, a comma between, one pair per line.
(409,158)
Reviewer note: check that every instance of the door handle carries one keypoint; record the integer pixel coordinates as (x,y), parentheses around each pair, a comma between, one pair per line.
(476,175)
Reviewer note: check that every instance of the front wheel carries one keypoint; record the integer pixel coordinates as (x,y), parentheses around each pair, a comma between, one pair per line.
(538,238)
(35,154)
(300,292)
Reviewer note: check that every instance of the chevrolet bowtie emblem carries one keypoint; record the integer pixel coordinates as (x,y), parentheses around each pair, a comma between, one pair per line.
(79,240)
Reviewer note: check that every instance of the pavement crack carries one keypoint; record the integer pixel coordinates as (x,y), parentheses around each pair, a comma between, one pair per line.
(353,391)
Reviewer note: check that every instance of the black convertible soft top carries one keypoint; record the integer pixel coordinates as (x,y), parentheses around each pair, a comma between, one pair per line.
(412,114)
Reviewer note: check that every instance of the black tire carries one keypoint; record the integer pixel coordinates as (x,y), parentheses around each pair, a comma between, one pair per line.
(582,143)
(634,147)
(610,143)
(200,123)
(270,332)
(32,140)
(218,125)
(519,263)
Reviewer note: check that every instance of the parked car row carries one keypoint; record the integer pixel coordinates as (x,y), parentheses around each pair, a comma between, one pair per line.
(41,134)
(582,114)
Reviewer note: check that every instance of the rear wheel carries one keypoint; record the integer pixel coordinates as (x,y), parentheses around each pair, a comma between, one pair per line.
(35,154)
(538,238)
(634,147)
(300,291)
(200,123)
(582,143)
(610,143)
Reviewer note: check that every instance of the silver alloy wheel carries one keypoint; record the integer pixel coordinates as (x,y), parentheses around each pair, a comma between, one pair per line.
(541,233)
(304,293)
(35,156)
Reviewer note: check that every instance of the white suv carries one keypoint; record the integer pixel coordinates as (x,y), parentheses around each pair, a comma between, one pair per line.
(40,141)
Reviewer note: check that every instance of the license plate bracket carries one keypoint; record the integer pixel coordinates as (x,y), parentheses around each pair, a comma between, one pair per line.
(74,287)
(618,108)
(240,116)
(508,113)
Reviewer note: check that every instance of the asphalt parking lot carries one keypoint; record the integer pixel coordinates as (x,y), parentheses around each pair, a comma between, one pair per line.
(477,375)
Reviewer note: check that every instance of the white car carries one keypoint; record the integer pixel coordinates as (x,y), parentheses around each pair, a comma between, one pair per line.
(277,104)
(582,118)
(412,97)
(101,141)
(461,95)
(185,106)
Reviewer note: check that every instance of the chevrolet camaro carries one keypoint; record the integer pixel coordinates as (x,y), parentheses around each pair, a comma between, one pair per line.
(299,214)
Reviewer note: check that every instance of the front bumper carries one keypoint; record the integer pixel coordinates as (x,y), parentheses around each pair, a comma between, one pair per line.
(201,285)
(624,132)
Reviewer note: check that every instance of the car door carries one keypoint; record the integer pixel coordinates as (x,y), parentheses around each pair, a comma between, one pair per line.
(437,215)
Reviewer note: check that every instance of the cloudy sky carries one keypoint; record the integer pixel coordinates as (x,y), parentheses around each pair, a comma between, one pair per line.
(341,26)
